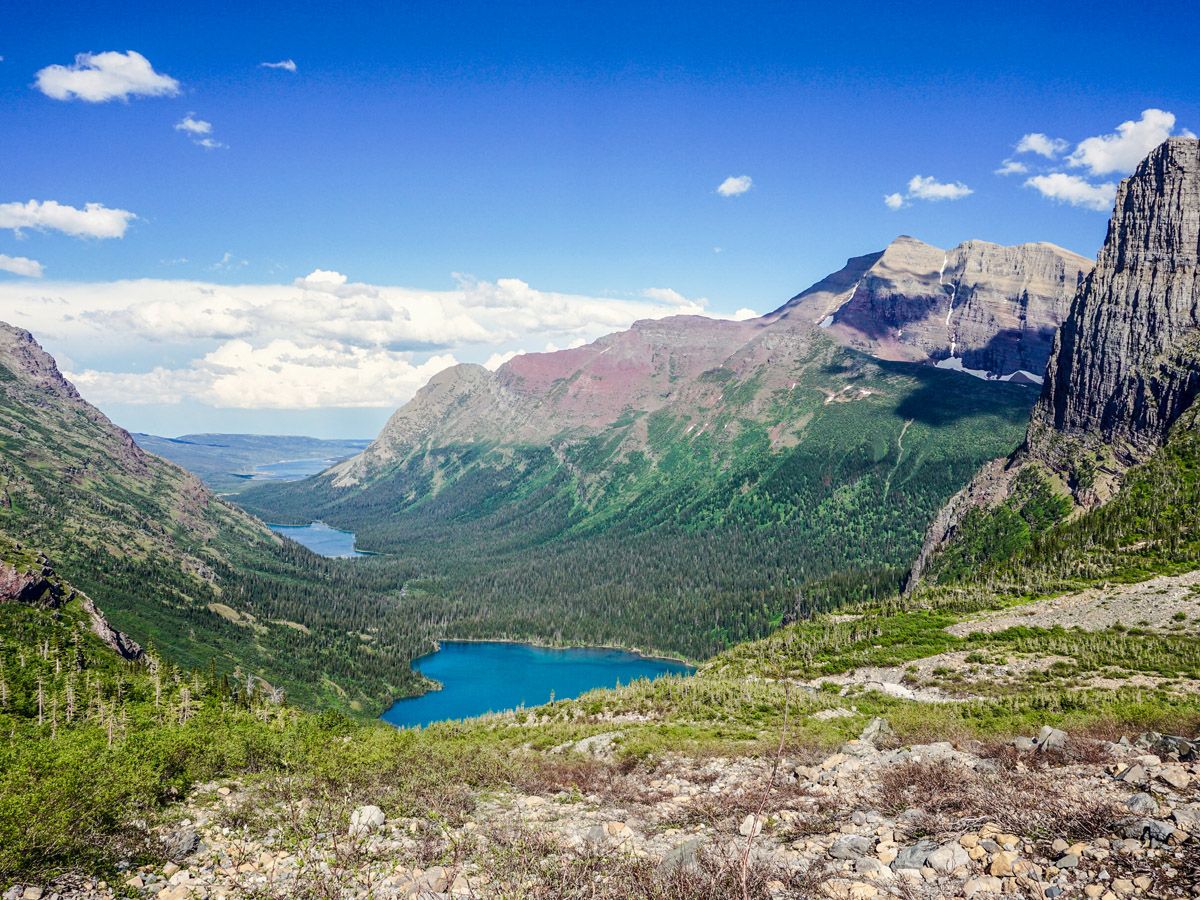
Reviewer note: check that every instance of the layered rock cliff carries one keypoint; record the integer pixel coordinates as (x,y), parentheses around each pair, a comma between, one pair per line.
(980,307)
(1126,362)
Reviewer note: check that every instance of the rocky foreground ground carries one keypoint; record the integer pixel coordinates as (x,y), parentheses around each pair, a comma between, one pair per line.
(1054,815)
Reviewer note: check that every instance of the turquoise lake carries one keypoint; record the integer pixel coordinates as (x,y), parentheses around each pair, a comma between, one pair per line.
(320,538)
(491,676)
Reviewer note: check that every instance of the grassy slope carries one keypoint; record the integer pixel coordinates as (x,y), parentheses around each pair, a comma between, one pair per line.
(187,573)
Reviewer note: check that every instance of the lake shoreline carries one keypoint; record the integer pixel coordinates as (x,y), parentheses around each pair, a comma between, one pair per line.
(641,654)
(453,666)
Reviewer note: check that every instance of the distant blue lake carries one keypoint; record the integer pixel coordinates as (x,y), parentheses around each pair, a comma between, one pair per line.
(320,538)
(290,469)
(482,677)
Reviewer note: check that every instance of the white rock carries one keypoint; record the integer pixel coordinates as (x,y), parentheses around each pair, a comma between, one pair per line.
(366,819)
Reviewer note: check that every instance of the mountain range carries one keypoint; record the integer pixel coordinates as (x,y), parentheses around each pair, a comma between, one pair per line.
(703,479)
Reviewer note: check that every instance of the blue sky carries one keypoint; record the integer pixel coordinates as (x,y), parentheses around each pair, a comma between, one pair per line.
(438,156)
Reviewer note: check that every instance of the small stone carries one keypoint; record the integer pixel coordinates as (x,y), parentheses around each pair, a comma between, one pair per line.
(366,819)
(1067,861)
(945,859)
(877,730)
(1002,863)
(1051,739)
(914,856)
(1142,804)
(1135,774)
(985,884)
(850,846)
(170,869)
(751,826)
(1175,776)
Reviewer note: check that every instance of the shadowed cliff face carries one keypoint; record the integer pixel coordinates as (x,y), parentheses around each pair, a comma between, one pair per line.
(1125,364)
(980,307)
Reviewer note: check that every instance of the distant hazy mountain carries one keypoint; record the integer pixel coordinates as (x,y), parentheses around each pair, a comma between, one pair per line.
(227,463)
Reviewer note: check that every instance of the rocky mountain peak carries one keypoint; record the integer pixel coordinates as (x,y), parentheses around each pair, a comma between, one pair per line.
(23,358)
(1126,362)
(980,307)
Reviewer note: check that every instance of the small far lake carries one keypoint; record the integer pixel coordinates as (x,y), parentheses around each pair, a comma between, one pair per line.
(320,538)
(479,677)
(290,469)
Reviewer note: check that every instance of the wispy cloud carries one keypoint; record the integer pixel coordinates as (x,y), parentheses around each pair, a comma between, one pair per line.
(288,65)
(1074,190)
(95,220)
(735,185)
(99,77)
(926,187)
(1012,167)
(1042,145)
(199,131)
(20,265)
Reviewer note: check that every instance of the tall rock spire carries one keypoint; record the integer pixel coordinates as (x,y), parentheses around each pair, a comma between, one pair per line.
(1126,362)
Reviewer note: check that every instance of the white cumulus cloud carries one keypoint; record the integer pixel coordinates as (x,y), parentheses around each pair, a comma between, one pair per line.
(321,340)
(735,185)
(99,77)
(94,220)
(20,265)
(926,187)
(192,125)
(1012,167)
(1072,189)
(1122,150)
(1116,153)
(496,360)
(199,131)
(673,297)
(288,65)
(1042,145)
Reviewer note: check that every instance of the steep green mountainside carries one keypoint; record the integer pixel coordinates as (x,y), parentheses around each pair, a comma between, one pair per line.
(766,489)
(177,568)
(229,463)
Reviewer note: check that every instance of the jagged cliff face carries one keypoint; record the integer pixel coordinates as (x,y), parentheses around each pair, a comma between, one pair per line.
(980,307)
(1126,363)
